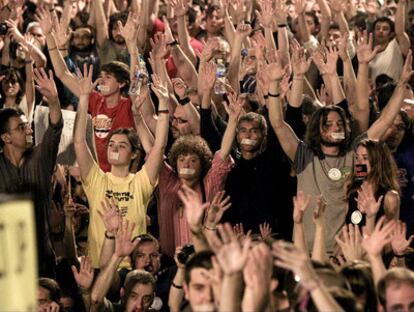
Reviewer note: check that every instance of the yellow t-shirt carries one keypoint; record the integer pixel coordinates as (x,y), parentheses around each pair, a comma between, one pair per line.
(131,193)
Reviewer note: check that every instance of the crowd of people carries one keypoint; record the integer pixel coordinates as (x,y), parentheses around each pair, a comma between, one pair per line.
(248,155)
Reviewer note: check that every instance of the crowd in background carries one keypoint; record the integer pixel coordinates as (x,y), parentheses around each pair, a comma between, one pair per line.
(248,155)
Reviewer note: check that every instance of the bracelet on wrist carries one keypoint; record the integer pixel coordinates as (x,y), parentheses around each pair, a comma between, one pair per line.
(210,228)
(281,25)
(52,49)
(28,61)
(274,95)
(163,111)
(399,256)
(109,236)
(184,101)
(176,286)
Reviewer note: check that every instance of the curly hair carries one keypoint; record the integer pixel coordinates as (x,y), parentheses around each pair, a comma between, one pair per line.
(383,173)
(191,144)
(318,120)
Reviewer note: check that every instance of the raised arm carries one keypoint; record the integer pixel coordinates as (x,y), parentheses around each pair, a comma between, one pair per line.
(155,157)
(300,204)
(304,31)
(284,132)
(83,154)
(101,23)
(46,86)
(300,67)
(401,35)
(326,17)
(29,84)
(319,242)
(391,110)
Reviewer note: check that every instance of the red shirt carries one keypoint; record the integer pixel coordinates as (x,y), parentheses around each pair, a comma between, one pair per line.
(105,120)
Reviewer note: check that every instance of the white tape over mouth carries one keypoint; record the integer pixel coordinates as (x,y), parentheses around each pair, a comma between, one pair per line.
(187,171)
(103,88)
(114,155)
(338,135)
(29,139)
(248,142)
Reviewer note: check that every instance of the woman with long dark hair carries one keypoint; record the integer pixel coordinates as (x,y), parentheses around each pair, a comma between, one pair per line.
(372,189)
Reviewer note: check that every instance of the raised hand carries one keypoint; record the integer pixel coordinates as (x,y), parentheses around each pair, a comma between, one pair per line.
(159,46)
(274,70)
(124,245)
(85,84)
(300,64)
(28,45)
(211,47)
(218,206)
(45,84)
(62,31)
(44,19)
(281,12)
(230,253)
(319,211)
(350,242)
(366,200)
(399,242)
(343,46)
(234,107)
(267,14)
(265,230)
(130,31)
(325,60)
(300,203)
(110,215)
(180,7)
(300,6)
(160,88)
(365,51)
(336,6)
(382,235)
(84,276)
(292,258)
(193,207)
(238,229)
(243,30)
(208,76)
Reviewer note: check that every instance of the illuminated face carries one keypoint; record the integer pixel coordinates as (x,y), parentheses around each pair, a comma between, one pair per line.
(382,33)
(249,136)
(198,292)
(19,133)
(362,158)
(180,125)
(310,22)
(189,167)
(140,298)
(37,33)
(214,23)
(116,34)
(119,150)
(399,297)
(82,39)
(10,87)
(334,37)
(108,85)
(148,258)
(333,132)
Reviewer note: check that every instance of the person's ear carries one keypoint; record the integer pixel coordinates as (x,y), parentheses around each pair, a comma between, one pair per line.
(186,290)
(6,138)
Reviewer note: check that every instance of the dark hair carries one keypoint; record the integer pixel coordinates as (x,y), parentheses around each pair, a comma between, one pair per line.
(383,173)
(191,144)
(384,93)
(132,136)
(52,286)
(211,9)
(113,20)
(136,277)
(384,19)
(13,75)
(359,276)
(314,17)
(333,26)
(5,115)
(318,120)
(309,105)
(199,260)
(120,71)
(261,121)
(394,275)
(143,239)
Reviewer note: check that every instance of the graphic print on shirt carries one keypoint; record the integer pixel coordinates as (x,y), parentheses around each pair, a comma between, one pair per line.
(121,199)
(101,125)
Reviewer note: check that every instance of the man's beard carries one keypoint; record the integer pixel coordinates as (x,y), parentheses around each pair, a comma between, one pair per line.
(87,48)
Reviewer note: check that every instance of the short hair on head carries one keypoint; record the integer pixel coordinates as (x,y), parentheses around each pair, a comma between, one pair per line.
(113,20)
(251,117)
(384,19)
(143,239)
(191,144)
(136,277)
(120,71)
(394,276)
(52,286)
(5,115)
(132,136)
(199,260)
(211,9)
(315,18)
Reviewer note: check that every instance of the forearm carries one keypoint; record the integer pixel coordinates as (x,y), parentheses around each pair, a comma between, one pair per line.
(101,23)
(199,238)
(377,267)
(229,30)
(230,299)
(319,244)
(104,280)
(133,58)
(55,112)
(184,40)
(323,300)
(81,119)
(69,239)
(228,138)
(176,295)
(296,93)
(186,69)
(337,92)
(107,251)
(193,117)
(299,237)
(361,113)
(30,90)
(38,57)
(270,41)
(342,22)
(283,44)
(350,82)
(303,29)
(145,136)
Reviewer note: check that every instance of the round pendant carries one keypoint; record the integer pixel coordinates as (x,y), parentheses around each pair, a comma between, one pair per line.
(356,217)
(334,174)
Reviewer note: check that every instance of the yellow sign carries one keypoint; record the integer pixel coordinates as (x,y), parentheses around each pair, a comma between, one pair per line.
(18,258)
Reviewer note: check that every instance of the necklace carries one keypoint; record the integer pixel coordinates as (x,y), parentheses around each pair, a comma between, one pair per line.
(333,173)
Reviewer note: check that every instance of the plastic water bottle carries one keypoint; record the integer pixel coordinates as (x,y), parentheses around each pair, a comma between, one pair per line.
(219,86)
(140,73)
